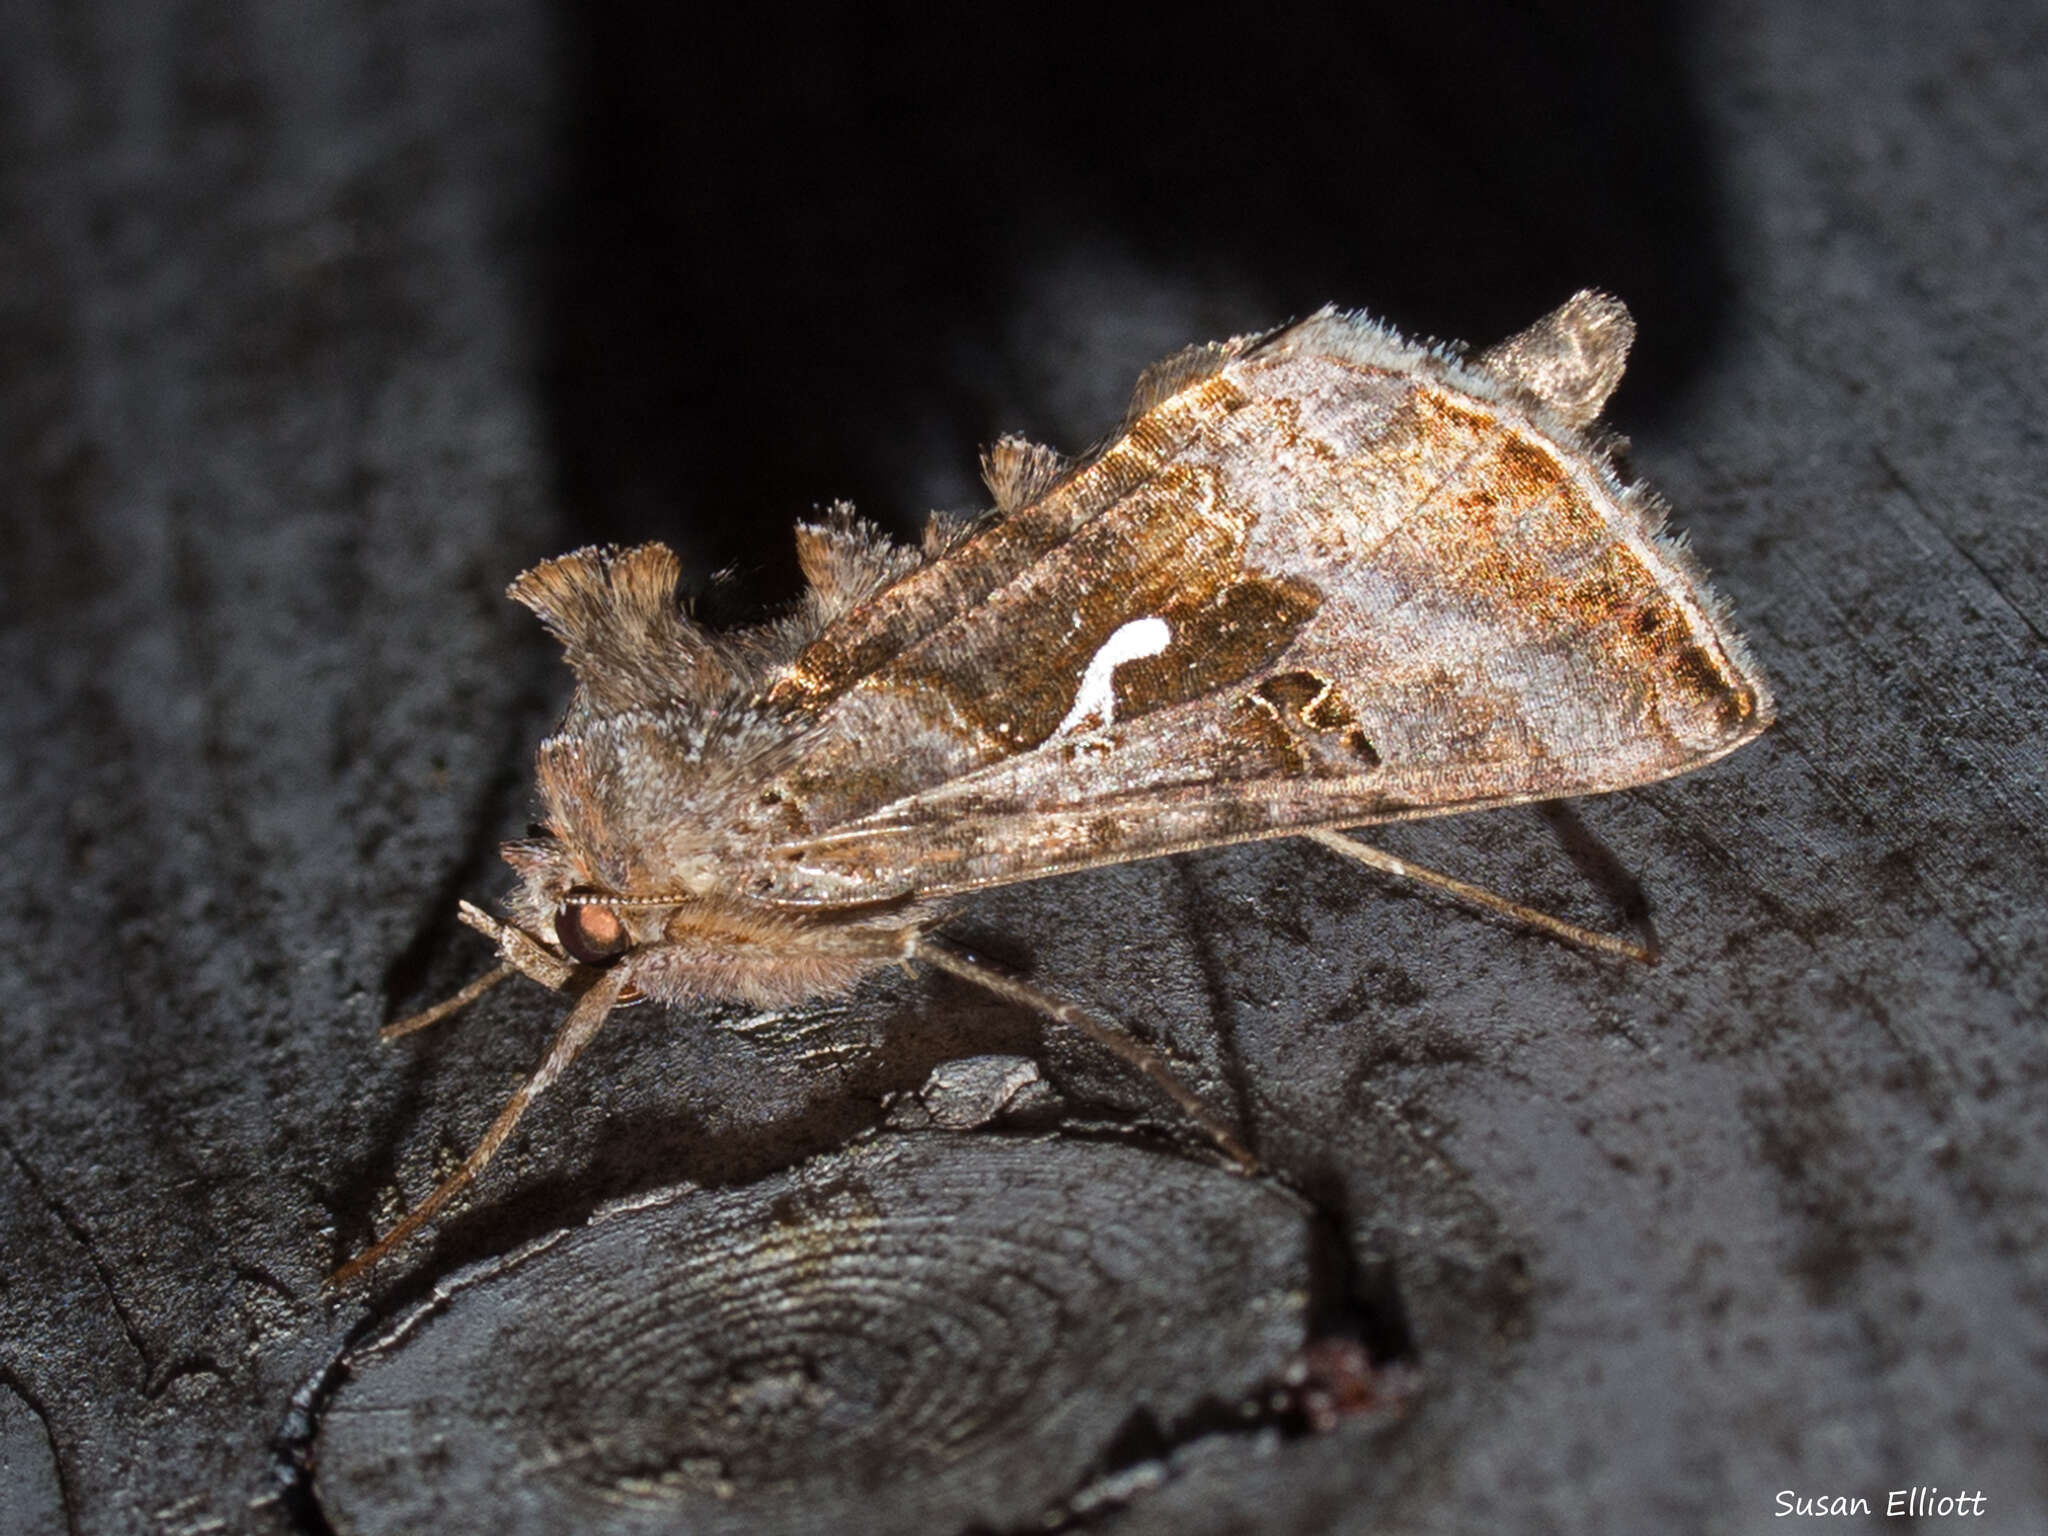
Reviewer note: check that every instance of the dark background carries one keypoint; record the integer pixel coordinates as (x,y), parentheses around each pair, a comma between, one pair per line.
(321,321)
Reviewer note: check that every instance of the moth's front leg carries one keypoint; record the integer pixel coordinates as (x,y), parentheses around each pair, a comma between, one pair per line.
(520,949)
(523,955)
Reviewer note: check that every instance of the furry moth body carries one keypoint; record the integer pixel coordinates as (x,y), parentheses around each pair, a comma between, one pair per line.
(1320,578)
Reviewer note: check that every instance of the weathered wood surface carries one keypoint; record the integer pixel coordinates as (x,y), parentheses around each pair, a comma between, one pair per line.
(321,321)
(887,1325)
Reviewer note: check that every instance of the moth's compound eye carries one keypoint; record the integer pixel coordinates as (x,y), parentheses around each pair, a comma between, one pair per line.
(591,932)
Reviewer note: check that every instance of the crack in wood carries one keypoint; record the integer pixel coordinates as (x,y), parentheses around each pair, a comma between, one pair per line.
(1352,1302)
(80,1234)
(291,1447)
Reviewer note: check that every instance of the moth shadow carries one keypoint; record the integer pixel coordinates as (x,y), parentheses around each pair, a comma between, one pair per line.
(1621,887)
(809,1083)
(868,241)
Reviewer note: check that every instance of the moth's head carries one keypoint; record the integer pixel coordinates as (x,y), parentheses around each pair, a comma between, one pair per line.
(561,907)
(652,778)
(677,947)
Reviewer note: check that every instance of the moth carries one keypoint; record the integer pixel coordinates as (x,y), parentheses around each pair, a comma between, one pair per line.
(1320,578)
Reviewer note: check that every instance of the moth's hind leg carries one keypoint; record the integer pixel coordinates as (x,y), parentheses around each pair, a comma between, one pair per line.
(1479,896)
(1127,1047)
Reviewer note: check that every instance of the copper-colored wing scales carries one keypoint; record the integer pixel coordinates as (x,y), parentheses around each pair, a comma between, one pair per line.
(866,640)
(1341,580)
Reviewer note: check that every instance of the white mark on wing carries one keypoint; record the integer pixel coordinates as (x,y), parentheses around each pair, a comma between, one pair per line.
(1097,695)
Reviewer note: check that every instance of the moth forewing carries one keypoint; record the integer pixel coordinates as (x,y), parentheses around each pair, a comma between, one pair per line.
(1320,578)
(1371,584)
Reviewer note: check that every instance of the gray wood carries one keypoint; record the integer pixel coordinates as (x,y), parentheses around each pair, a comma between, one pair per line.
(31,1489)
(322,321)
(885,1325)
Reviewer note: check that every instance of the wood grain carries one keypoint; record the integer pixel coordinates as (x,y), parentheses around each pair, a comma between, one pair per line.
(321,321)
(938,1331)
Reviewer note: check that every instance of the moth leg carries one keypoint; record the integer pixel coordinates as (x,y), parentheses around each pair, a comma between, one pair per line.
(1128,1048)
(397,1029)
(1479,896)
(524,956)
(521,950)
(577,1031)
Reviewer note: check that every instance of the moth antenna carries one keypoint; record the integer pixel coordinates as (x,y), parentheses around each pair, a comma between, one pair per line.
(1120,1042)
(577,1031)
(1480,896)
(398,1029)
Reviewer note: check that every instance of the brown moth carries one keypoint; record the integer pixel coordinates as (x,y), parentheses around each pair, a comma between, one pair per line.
(1320,578)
